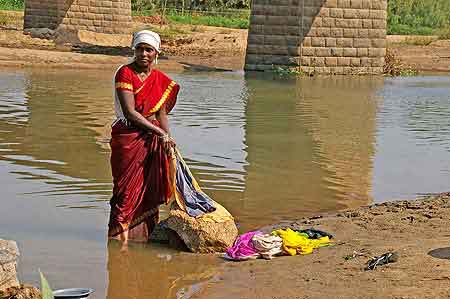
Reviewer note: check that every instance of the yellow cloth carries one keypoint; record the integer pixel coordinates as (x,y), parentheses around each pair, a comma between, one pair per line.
(219,215)
(295,243)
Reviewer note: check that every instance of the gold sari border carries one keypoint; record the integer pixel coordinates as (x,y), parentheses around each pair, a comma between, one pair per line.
(163,98)
(124,85)
(127,226)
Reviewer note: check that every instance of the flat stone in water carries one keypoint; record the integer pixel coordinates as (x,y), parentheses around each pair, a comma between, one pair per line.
(440,253)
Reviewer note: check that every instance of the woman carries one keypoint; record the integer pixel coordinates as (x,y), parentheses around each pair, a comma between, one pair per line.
(141,144)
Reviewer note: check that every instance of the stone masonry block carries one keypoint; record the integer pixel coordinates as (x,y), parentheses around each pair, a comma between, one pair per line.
(318,61)
(356,3)
(349,52)
(344,42)
(343,61)
(317,22)
(324,12)
(331,3)
(323,52)
(367,4)
(351,14)
(344,3)
(330,42)
(256,39)
(378,42)
(337,52)
(323,32)
(364,13)
(337,32)
(106,4)
(367,24)
(365,61)
(355,23)
(379,4)
(379,61)
(377,33)
(308,51)
(363,33)
(328,22)
(331,61)
(336,13)
(350,33)
(307,42)
(362,52)
(305,61)
(378,14)
(362,43)
(83,8)
(377,52)
(318,42)
(355,61)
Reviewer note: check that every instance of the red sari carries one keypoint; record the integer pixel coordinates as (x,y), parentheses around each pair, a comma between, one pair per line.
(140,165)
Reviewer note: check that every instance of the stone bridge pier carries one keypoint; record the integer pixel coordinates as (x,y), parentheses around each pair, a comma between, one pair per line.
(319,36)
(102,16)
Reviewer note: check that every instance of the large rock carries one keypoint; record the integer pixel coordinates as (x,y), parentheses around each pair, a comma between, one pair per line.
(8,258)
(203,235)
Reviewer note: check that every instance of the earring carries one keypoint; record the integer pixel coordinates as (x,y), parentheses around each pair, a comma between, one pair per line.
(156,59)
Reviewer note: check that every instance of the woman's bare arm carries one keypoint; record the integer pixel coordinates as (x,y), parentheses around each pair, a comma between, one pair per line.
(163,118)
(127,102)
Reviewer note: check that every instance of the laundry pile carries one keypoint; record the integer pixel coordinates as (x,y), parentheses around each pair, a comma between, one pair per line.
(257,244)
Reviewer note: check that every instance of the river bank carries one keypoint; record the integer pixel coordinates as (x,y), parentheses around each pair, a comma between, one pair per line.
(186,47)
(414,229)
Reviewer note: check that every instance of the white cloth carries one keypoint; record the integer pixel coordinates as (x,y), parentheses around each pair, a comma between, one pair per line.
(267,245)
(117,107)
(149,37)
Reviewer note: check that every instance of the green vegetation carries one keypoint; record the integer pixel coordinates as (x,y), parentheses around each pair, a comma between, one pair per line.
(12,4)
(422,17)
(218,21)
(405,17)
(287,71)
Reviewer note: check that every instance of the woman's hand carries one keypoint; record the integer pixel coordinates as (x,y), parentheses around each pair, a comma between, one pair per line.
(168,142)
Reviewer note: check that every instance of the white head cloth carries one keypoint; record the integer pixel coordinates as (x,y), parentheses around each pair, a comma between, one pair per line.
(148,37)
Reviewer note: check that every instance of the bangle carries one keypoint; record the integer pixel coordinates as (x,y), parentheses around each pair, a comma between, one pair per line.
(165,137)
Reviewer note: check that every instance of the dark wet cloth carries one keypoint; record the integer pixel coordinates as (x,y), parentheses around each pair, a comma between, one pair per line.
(188,193)
(315,233)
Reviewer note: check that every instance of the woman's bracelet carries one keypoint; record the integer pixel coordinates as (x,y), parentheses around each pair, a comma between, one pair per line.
(165,137)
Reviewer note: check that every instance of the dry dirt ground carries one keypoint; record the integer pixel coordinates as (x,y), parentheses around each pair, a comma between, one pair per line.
(416,230)
(185,47)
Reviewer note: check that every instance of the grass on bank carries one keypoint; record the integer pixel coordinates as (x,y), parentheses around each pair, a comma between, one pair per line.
(16,5)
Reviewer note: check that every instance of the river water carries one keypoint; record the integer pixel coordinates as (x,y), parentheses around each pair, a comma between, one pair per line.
(268,149)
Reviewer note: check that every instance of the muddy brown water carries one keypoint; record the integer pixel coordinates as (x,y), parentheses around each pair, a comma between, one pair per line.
(267,149)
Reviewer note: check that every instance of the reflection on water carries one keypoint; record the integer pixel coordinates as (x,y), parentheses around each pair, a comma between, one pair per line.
(151,272)
(266,149)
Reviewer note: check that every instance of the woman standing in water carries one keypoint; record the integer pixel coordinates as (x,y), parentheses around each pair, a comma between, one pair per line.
(141,143)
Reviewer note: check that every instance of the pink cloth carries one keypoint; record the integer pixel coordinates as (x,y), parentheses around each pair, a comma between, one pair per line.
(243,248)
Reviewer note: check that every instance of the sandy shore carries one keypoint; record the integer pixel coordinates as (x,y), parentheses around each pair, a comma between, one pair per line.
(411,228)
